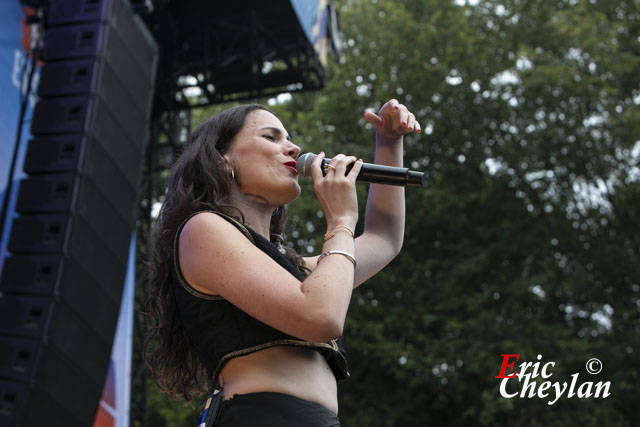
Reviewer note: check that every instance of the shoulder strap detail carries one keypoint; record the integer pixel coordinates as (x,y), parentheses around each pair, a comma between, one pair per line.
(233,221)
(187,287)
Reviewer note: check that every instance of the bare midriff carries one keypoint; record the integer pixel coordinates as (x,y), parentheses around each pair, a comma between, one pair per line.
(300,372)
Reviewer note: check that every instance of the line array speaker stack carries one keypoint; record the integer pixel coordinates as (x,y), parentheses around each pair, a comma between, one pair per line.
(61,287)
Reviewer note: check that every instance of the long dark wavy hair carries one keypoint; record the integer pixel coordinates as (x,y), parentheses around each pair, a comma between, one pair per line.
(200,180)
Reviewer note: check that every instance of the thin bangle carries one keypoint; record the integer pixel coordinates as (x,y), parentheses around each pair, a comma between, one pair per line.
(343,253)
(329,234)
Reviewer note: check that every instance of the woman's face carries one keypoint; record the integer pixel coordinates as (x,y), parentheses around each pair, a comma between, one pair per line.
(264,160)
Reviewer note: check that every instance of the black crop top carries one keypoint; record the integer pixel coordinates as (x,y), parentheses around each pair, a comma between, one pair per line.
(220,331)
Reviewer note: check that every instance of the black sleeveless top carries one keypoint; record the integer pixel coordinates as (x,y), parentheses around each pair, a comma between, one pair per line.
(220,331)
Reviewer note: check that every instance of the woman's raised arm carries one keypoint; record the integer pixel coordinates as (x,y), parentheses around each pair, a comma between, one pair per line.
(384,219)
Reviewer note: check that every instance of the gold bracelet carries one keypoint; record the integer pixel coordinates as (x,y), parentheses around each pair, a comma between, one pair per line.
(343,253)
(329,234)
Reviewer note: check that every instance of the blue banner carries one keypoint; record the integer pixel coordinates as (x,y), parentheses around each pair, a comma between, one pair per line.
(16,37)
(312,15)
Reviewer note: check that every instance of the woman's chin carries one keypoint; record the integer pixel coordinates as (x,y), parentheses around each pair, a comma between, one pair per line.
(284,195)
(293,193)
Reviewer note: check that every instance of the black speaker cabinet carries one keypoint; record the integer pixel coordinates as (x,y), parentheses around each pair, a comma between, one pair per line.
(61,286)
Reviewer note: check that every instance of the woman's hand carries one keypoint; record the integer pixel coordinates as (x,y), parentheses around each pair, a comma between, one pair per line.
(335,191)
(393,121)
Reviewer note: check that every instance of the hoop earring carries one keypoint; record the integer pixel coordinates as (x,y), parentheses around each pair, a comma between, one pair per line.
(233,175)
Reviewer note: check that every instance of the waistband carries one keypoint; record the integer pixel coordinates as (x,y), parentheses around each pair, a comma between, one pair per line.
(273,408)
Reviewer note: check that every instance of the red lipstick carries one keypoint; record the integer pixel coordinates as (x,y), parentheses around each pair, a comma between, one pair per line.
(292,167)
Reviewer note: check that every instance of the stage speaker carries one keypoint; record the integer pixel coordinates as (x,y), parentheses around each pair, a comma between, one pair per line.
(61,286)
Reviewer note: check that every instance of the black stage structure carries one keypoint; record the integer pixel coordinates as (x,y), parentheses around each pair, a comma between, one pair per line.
(118,83)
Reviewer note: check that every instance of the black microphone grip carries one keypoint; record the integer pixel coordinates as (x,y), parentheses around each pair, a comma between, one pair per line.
(380,174)
(370,172)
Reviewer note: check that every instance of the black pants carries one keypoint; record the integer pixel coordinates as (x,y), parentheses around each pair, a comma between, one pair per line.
(267,409)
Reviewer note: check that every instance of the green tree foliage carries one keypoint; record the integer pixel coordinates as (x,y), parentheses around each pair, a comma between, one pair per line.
(524,239)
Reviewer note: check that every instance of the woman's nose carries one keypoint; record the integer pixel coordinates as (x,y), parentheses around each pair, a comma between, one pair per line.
(294,150)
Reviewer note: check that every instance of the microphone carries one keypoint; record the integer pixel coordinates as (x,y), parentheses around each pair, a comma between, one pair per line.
(370,172)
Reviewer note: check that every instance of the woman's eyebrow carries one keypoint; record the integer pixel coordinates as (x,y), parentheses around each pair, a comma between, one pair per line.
(276,131)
